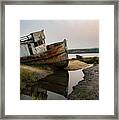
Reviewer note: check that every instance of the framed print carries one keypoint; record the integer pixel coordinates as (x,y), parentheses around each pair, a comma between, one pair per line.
(59,60)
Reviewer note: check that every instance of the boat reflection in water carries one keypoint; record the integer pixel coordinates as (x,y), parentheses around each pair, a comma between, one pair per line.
(55,84)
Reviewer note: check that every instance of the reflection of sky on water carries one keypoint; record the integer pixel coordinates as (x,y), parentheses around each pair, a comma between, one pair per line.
(55,96)
(74,78)
(56,86)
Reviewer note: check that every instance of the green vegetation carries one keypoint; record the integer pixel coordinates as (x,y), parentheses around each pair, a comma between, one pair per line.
(30,75)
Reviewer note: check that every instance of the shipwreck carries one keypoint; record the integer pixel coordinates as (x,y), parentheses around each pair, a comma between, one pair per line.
(38,53)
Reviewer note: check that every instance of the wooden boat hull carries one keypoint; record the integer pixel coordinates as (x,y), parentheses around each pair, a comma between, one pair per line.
(55,55)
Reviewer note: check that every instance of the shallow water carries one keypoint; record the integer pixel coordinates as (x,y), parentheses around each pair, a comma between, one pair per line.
(54,87)
(74,78)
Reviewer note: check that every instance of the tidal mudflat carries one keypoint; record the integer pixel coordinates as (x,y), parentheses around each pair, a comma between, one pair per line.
(78,81)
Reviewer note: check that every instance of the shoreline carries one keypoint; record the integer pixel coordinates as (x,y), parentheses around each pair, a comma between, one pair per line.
(88,88)
(75,64)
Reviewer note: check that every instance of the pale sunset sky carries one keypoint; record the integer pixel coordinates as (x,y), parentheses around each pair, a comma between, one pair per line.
(78,33)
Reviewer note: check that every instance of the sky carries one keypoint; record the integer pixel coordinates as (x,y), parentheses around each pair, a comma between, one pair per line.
(78,33)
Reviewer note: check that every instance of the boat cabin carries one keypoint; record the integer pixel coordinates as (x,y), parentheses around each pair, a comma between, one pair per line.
(33,43)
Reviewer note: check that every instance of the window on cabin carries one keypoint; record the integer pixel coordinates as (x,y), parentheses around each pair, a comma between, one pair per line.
(35,44)
(40,42)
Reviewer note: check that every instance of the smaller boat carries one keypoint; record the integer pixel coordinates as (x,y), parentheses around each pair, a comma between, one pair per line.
(39,54)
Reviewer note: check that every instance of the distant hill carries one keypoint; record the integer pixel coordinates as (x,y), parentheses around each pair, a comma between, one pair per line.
(81,51)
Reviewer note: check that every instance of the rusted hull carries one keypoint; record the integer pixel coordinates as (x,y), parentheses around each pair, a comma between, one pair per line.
(56,55)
